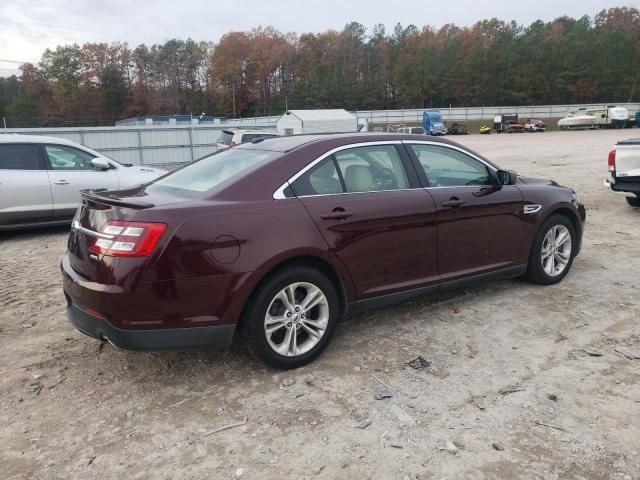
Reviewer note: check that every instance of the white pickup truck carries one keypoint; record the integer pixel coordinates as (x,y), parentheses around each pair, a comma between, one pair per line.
(624,167)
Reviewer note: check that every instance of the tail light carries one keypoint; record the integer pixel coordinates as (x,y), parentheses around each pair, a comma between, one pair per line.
(128,239)
(232,144)
(612,161)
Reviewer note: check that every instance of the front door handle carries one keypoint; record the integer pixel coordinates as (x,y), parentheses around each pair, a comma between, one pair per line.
(453,202)
(61,182)
(337,214)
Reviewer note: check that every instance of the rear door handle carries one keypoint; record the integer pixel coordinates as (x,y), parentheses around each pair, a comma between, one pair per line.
(336,214)
(453,202)
(61,182)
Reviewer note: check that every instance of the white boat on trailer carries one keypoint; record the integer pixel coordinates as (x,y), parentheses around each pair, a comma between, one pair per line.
(577,122)
(609,116)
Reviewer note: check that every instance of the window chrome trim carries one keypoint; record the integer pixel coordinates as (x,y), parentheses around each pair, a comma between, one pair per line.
(452,147)
(279,193)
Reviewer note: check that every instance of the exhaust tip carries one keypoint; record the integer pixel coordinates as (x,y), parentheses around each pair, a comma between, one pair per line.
(104,338)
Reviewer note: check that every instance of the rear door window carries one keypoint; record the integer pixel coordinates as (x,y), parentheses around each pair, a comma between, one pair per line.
(16,156)
(372,169)
(359,169)
(323,179)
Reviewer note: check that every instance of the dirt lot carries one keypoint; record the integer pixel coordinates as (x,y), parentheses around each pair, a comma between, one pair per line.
(510,393)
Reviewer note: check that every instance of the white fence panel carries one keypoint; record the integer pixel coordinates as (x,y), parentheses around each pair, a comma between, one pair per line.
(140,145)
(165,145)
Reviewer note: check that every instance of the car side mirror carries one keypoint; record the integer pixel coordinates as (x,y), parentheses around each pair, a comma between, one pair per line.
(506,177)
(100,163)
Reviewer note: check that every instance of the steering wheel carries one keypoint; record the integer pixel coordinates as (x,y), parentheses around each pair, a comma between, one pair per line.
(384,179)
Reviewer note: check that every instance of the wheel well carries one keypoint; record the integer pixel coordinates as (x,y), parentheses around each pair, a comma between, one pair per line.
(570,215)
(319,264)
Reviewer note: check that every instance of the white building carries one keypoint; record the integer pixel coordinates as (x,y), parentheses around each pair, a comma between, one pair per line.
(295,122)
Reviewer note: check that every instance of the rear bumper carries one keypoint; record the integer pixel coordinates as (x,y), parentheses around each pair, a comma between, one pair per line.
(161,339)
(623,188)
(191,314)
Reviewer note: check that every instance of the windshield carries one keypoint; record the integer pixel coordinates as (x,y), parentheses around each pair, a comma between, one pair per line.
(435,118)
(210,172)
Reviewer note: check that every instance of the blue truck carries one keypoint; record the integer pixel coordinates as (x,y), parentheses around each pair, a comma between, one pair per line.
(432,123)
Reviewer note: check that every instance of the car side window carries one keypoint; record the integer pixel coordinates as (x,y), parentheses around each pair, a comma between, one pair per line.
(359,169)
(371,169)
(323,179)
(15,156)
(62,157)
(447,167)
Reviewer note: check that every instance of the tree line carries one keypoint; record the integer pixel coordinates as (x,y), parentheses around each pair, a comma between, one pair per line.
(264,71)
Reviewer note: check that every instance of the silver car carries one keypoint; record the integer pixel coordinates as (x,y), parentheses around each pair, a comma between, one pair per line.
(41,178)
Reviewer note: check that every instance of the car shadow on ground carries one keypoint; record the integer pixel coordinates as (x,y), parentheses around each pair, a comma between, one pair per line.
(235,363)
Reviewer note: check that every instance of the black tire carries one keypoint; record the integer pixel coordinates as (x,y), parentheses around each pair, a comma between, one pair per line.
(253,318)
(634,201)
(535,269)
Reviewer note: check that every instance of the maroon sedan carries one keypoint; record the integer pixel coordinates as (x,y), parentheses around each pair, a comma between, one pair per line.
(281,238)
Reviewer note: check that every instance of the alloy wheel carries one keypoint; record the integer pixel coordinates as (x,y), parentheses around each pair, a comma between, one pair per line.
(297,319)
(556,250)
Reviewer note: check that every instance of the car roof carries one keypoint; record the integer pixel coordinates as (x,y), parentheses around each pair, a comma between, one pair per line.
(20,138)
(288,143)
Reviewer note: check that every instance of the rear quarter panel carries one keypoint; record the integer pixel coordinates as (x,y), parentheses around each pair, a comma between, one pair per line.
(245,240)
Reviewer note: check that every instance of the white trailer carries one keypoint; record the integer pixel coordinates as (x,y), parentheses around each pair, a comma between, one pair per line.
(610,116)
(296,122)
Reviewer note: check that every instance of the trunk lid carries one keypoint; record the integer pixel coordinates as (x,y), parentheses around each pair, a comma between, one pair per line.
(98,207)
(91,215)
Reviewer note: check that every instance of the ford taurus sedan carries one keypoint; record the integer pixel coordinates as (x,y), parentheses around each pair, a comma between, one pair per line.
(281,238)
(41,178)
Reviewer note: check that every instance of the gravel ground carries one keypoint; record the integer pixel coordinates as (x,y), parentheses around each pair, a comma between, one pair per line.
(523,381)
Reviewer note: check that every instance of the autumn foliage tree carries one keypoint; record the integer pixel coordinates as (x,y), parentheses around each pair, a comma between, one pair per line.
(264,71)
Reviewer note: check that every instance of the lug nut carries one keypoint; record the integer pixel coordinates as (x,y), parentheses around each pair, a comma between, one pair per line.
(289,325)
(288,314)
(297,309)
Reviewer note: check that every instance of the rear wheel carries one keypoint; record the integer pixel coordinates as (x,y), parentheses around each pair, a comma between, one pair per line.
(291,317)
(553,251)
(634,201)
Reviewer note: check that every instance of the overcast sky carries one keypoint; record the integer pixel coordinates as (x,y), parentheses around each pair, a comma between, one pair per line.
(30,26)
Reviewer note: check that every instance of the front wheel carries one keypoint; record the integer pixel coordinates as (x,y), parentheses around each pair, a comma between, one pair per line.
(553,250)
(291,317)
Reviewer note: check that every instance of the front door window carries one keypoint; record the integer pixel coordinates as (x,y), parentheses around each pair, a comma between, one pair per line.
(447,167)
(62,157)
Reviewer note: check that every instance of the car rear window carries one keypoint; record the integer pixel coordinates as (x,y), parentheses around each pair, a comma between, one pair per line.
(208,173)
(225,137)
(15,156)
(247,137)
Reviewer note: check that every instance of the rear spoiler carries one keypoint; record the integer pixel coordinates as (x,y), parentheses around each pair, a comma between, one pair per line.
(130,202)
